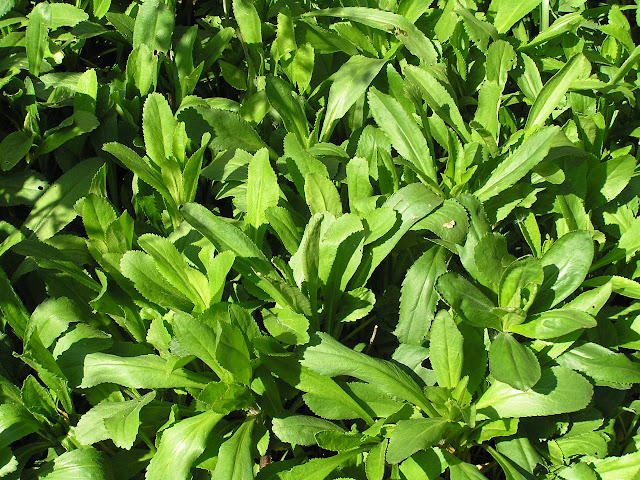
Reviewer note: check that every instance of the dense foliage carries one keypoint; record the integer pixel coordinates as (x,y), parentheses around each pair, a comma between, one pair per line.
(347,239)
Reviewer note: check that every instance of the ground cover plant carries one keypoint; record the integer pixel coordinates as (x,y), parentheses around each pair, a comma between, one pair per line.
(373,239)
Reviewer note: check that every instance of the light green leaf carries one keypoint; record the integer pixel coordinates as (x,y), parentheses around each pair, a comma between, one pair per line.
(600,363)
(54,209)
(375,461)
(281,98)
(15,423)
(565,267)
(154,26)
(248,21)
(403,132)
(350,82)
(445,350)
(79,123)
(554,323)
(438,98)
(37,36)
(287,326)
(118,421)
(615,468)
(410,436)
(264,192)
(21,188)
(180,446)
(81,464)
(532,151)
(519,282)
(143,371)
(158,126)
(234,457)
(321,195)
(301,429)
(404,30)
(317,468)
(330,358)
(467,301)
(559,390)
(508,13)
(513,363)
(232,352)
(418,296)
(553,91)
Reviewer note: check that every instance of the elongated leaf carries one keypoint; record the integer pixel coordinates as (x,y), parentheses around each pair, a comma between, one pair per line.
(118,421)
(409,436)
(248,21)
(559,390)
(321,195)
(81,464)
(144,371)
(263,190)
(600,363)
(15,422)
(330,358)
(280,95)
(565,266)
(405,31)
(509,13)
(13,149)
(553,91)
(154,26)
(350,82)
(180,446)
(467,301)
(158,126)
(234,457)
(513,363)
(554,323)
(445,350)
(301,429)
(37,36)
(54,210)
(533,150)
(403,132)
(418,296)
(438,99)
(317,468)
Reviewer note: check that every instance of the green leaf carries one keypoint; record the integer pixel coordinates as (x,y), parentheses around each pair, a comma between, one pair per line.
(81,464)
(330,358)
(445,350)
(287,326)
(263,190)
(600,363)
(519,282)
(199,339)
(158,126)
(281,98)
(317,468)
(554,90)
(15,423)
(508,13)
(142,270)
(248,21)
(554,323)
(467,301)
(37,36)
(405,31)
(143,371)
(438,99)
(375,461)
(180,447)
(301,429)
(13,149)
(154,26)
(118,421)
(531,152)
(282,221)
(54,209)
(513,363)
(142,69)
(21,188)
(410,436)
(79,123)
(565,266)
(321,195)
(232,352)
(614,468)
(403,132)
(231,130)
(350,82)
(418,297)
(559,390)
(234,457)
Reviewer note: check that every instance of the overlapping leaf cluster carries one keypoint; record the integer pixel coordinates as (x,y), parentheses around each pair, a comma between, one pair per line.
(325,240)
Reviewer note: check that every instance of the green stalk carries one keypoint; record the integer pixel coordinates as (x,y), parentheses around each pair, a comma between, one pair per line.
(544,15)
